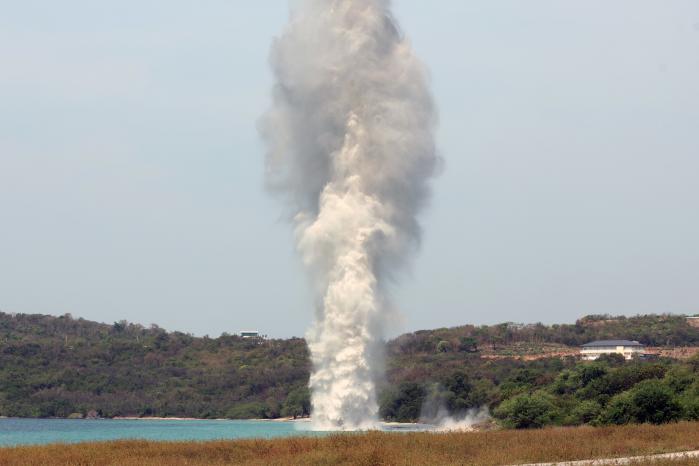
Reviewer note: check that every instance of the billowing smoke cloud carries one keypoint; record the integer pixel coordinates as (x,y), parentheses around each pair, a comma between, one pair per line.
(351,150)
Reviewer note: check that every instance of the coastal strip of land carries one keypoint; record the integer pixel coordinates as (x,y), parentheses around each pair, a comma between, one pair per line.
(501,447)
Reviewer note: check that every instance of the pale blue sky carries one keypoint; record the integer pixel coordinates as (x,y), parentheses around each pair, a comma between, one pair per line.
(131,170)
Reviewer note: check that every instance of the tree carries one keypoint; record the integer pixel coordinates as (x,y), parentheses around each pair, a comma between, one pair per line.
(585,412)
(444,347)
(526,411)
(468,345)
(679,378)
(590,372)
(649,401)
(254,410)
(655,403)
(403,404)
(297,403)
(613,359)
(119,326)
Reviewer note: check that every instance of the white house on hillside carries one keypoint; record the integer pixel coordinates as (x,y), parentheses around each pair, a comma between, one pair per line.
(595,349)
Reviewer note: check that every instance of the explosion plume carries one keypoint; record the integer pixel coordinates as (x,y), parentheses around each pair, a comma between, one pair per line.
(351,151)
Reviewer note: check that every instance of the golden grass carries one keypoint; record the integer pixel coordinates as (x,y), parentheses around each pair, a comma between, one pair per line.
(679,462)
(379,448)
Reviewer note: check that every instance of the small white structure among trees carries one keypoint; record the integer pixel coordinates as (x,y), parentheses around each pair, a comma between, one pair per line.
(595,349)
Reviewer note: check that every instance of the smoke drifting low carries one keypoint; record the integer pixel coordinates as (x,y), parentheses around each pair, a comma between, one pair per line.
(434,413)
(351,151)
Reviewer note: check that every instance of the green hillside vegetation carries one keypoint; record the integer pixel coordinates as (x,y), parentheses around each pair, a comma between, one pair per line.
(56,366)
(61,366)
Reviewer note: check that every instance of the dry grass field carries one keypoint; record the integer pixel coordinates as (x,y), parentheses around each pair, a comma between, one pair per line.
(377,448)
(682,462)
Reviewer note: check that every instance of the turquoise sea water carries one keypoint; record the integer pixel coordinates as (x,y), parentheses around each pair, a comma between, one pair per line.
(40,431)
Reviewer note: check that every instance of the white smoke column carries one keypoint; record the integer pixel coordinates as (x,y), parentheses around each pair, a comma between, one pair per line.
(350,147)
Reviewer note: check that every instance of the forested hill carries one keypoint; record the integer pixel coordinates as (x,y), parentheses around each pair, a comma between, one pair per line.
(651,330)
(62,366)
(55,366)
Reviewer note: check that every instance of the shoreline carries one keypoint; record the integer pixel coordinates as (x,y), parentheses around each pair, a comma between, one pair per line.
(159,418)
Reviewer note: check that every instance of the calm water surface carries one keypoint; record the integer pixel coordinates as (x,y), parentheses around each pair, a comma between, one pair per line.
(38,431)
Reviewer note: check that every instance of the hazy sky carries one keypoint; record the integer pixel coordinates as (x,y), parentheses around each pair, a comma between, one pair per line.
(131,172)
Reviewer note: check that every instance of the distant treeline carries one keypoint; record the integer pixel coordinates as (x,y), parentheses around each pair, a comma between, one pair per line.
(651,330)
(62,366)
